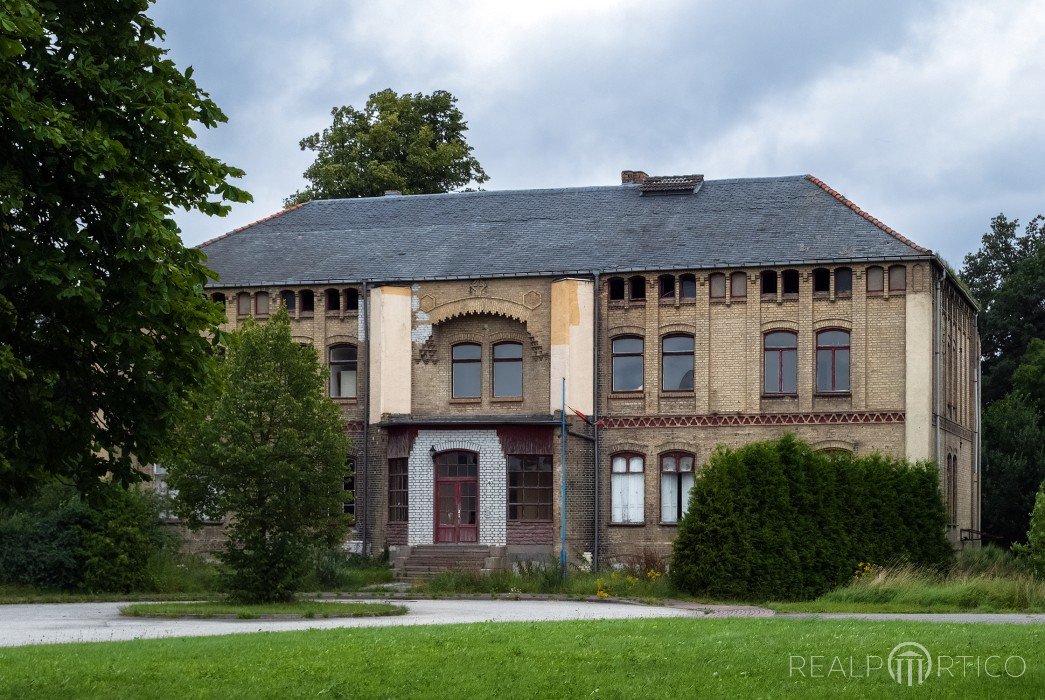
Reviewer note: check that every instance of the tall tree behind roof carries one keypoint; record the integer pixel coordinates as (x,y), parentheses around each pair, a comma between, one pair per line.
(413,144)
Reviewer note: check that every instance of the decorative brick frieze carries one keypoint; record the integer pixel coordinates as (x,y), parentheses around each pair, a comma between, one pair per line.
(753,419)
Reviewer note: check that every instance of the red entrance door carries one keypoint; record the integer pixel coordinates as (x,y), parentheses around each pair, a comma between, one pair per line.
(457,497)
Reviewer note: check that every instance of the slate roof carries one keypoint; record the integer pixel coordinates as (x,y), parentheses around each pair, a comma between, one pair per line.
(724,224)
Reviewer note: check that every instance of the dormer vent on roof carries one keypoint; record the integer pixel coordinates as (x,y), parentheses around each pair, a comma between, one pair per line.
(671,184)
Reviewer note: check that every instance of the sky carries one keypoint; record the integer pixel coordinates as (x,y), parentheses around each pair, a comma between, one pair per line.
(929,115)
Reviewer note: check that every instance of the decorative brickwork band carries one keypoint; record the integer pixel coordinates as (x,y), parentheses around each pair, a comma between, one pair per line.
(753,419)
(353,426)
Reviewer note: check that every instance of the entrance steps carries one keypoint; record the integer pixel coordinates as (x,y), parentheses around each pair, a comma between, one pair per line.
(427,560)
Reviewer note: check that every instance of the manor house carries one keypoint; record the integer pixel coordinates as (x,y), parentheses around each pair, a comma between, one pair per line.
(669,315)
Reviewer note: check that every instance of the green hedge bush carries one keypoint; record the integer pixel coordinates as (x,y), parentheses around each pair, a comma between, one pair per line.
(778,520)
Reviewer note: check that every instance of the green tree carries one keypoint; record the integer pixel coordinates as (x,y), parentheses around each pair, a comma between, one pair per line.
(1004,276)
(414,144)
(103,323)
(1033,553)
(264,446)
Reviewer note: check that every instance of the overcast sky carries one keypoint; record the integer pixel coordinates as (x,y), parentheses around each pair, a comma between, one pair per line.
(930,115)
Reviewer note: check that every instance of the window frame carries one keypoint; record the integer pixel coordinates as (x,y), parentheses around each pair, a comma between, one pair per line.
(667,289)
(682,503)
(240,312)
(779,352)
(333,364)
(332,300)
(506,360)
(843,293)
(685,278)
(455,362)
(712,278)
(637,283)
(819,275)
(398,490)
(617,289)
(628,472)
(767,276)
(614,354)
(733,277)
(351,301)
(258,298)
(306,302)
(899,289)
(871,272)
(546,500)
(292,306)
(834,350)
(692,353)
(790,276)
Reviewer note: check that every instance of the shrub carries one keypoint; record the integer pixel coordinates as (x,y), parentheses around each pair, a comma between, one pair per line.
(777,520)
(1032,554)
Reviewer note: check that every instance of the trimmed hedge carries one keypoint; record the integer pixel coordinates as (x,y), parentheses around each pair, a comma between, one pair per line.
(778,520)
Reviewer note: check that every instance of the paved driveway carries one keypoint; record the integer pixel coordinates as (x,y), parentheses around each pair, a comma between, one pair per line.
(101,622)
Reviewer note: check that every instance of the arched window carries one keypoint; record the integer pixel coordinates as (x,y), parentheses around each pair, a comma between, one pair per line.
(897,278)
(351,300)
(333,297)
(637,288)
(677,362)
(780,363)
(790,283)
(308,301)
(832,362)
(343,366)
(717,285)
(217,298)
(466,380)
(243,304)
(507,370)
(288,300)
(821,281)
(261,303)
(843,282)
(768,284)
(875,280)
(688,287)
(628,493)
(617,286)
(666,285)
(738,285)
(676,481)
(627,363)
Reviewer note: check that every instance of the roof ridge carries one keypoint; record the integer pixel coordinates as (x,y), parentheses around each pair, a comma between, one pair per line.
(263,219)
(860,212)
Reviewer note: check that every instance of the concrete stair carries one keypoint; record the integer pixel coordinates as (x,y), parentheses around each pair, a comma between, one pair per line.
(425,561)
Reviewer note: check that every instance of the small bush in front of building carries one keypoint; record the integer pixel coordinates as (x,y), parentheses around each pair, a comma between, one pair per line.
(778,520)
(1032,554)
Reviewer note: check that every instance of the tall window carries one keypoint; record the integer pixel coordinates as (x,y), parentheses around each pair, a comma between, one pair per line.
(687,286)
(897,278)
(261,303)
(343,371)
(780,363)
(529,487)
(288,299)
(627,363)
(628,488)
(507,370)
(308,301)
(218,298)
(333,297)
(875,280)
(676,481)
(843,282)
(243,304)
(616,288)
(397,490)
(717,285)
(738,285)
(768,280)
(821,280)
(351,300)
(790,280)
(951,479)
(832,361)
(466,371)
(349,504)
(666,285)
(677,363)
(637,288)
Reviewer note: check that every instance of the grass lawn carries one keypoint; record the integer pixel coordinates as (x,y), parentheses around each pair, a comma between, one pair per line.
(303,608)
(626,658)
(20,595)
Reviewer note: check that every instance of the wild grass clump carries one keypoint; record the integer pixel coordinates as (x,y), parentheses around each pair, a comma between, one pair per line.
(338,570)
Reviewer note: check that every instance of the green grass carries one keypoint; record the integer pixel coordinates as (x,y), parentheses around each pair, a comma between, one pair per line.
(20,595)
(303,608)
(669,658)
(539,579)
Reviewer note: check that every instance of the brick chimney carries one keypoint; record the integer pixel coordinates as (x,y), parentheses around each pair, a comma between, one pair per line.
(632,177)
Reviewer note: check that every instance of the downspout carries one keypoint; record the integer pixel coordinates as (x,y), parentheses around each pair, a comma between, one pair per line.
(937,363)
(977,436)
(595,419)
(366,413)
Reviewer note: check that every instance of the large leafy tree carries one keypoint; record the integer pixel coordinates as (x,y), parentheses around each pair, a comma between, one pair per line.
(265,446)
(103,323)
(414,144)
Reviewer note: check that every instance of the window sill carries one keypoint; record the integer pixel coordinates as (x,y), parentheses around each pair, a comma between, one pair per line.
(833,394)
(768,298)
(477,399)
(624,395)
(875,294)
(821,295)
(717,300)
(530,522)
(616,303)
(789,296)
(636,302)
(688,300)
(680,394)
(664,524)
(897,292)
(345,400)
(626,524)
(506,399)
(843,295)
(780,396)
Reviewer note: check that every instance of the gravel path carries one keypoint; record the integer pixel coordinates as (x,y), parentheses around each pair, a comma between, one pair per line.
(101,622)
